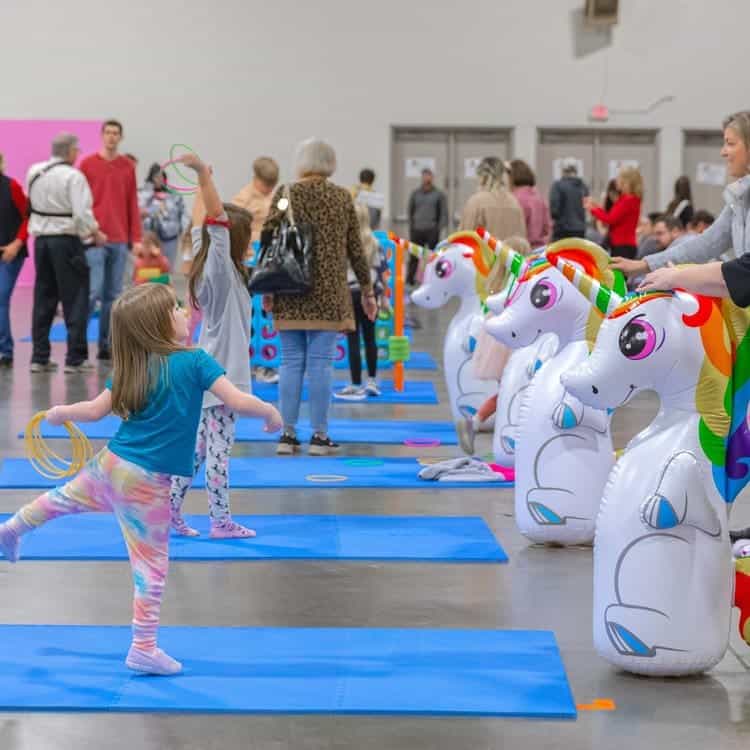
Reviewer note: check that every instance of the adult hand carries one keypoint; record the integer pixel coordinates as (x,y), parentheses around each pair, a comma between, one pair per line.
(660,279)
(100,238)
(588,201)
(629,267)
(10,251)
(267,303)
(370,306)
(273,420)
(56,415)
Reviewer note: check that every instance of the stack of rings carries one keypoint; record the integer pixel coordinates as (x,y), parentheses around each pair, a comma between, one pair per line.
(173,162)
(48,463)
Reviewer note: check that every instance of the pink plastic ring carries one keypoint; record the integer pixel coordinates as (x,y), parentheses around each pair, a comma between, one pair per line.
(422,442)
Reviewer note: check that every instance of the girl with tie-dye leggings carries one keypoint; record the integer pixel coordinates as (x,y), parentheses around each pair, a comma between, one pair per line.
(157,387)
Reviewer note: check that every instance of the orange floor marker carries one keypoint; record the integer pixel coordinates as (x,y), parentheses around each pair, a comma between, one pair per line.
(598,704)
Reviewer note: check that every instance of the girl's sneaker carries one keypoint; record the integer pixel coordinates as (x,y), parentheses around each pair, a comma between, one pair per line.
(351,393)
(229,529)
(288,445)
(153,662)
(180,527)
(371,389)
(322,446)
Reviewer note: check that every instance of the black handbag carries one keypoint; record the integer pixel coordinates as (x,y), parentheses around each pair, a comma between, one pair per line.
(285,258)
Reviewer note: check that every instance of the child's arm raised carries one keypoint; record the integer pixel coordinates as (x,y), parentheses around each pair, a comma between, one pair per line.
(246,404)
(83,411)
(208,192)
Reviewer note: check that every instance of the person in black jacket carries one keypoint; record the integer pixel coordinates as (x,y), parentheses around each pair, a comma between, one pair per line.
(566,202)
(13,234)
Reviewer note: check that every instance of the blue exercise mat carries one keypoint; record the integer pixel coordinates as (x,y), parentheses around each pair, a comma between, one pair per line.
(59,333)
(289,671)
(416,361)
(415,392)
(376,432)
(283,472)
(96,536)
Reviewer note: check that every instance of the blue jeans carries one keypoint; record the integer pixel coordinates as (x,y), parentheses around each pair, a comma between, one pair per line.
(107,265)
(311,351)
(8,276)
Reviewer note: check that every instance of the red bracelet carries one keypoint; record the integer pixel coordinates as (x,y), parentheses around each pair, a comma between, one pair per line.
(217,223)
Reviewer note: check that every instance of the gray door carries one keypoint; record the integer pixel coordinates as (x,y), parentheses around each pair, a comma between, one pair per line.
(704,166)
(469,148)
(412,151)
(556,145)
(633,148)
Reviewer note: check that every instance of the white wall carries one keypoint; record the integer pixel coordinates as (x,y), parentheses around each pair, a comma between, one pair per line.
(236,78)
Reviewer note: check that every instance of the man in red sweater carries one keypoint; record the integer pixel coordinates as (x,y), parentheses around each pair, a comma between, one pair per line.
(113,185)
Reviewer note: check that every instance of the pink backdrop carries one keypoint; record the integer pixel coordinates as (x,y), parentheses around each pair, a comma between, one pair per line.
(24,142)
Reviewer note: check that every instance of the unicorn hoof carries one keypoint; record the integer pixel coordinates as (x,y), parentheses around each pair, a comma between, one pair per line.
(658,513)
(544,516)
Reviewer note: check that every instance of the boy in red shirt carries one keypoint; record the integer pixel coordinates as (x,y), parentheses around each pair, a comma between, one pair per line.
(113,186)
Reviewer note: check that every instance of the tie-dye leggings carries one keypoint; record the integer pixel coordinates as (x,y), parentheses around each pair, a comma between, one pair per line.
(213,445)
(140,501)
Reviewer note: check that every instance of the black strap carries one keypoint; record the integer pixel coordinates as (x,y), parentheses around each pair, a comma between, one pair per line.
(41,172)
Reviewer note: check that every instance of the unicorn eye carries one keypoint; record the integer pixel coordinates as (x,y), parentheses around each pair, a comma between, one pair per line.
(637,339)
(543,295)
(443,268)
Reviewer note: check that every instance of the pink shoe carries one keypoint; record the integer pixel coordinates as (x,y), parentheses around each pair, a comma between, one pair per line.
(180,527)
(229,530)
(10,543)
(155,662)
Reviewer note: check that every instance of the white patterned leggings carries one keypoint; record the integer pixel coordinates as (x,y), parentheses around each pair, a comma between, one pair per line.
(213,445)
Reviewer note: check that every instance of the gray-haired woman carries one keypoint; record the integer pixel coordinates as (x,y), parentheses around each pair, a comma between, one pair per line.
(731,230)
(493,206)
(308,324)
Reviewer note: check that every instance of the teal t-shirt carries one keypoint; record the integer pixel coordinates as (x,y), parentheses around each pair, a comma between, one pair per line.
(161,437)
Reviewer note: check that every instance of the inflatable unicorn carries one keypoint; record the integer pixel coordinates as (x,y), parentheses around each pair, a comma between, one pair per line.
(459,268)
(662,558)
(522,364)
(564,449)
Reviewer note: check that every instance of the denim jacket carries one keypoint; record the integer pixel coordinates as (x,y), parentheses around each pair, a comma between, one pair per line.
(730,230)
(166,213)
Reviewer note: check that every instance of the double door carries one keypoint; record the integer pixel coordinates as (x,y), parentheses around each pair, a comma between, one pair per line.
(600,154)
(452,154)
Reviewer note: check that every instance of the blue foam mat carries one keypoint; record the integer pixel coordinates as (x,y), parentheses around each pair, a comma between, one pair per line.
(289,671)
(416,361)
(415,392)
(96,536)
(380,432)
(285,472)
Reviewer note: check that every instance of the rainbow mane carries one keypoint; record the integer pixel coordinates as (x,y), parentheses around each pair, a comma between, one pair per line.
(595,263)
(480,255)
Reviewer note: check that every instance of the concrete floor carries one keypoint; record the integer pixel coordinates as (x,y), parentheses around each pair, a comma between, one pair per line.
(540,588)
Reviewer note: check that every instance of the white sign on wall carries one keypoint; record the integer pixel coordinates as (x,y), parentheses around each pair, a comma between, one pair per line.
(615,165)
(371,199)
(707,173)
(415,165)
(557,167)
(470,166)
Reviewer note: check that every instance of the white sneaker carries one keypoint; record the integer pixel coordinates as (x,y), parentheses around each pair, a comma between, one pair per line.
(371,387)
(351,393)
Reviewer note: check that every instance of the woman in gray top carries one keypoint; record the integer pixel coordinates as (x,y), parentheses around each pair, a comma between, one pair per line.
(732,229)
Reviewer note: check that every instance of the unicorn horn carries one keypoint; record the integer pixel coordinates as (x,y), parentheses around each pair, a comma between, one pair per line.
(601,297)
(512,260)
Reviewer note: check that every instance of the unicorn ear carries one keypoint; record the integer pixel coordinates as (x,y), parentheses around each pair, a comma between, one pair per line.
(687,303)
(601,297)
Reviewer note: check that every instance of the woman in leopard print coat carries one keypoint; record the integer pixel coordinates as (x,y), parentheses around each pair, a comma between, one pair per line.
(308,324)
